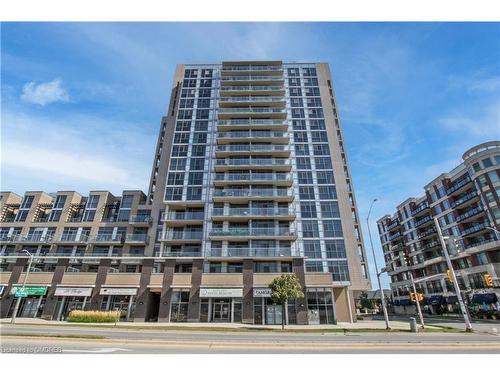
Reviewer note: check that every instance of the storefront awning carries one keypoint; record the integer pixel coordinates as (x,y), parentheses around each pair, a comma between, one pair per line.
(222,292)
(484,298)
(73,292)
(118,291)
(451,299)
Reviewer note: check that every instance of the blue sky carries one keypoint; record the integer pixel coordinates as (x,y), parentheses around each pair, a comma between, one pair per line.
(412,97)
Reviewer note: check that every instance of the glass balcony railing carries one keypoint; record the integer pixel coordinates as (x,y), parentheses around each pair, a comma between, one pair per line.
(173,215)
(184,235)
(251,212)
(230,232)
(251,78)
(252,177)
(473,229)
(252,193)
(458,184)
(472,212)
(464,199)
(263,68)
(270,162)
(252,134)
(420,208)
(137,219)
(251,122)
(252,148)
(252,88)
(34,237)
(393,225)
(251,110)
(137,237)
(251,99)
(250,252)
(420,222)
(72,237)
(108,238)
(180,254)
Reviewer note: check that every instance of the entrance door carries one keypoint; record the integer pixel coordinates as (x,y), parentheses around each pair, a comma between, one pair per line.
(273,314)
(221,311)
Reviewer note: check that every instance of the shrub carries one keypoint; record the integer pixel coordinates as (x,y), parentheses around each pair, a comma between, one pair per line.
(81,316)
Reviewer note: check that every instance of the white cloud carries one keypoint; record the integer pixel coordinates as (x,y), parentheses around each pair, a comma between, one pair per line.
(44,93)
(479,122)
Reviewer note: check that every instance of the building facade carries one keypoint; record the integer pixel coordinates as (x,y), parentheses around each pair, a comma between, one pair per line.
(250,181)
(465,202)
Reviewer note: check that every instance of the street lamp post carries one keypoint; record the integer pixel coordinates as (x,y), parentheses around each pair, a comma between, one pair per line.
(468,325)
(419,310)
(18,301)
(382,296)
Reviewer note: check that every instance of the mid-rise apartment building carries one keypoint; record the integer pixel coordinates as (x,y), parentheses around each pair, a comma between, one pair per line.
(465,202)
(250,181)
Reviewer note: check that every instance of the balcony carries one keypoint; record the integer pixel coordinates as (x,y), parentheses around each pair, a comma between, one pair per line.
(253,135)
(273,100)
(35,238)
(271,89)
(244,233)
(458,185)
(237,79)
(469,214)
(180,254)
(473,229)
(465,198)
(72,238)
(252,123)
(393,225)
(251,149)
(430,245)
(250,213)
(140,219)
(107,239)
(423,221)
(420,208)
(137,238)
(182,218)
(250,68)
(278,179)
(253,163)
(181,236)
(250,252)
(427,233)
(77,219)
(232,112)
(244,195)
(394,236)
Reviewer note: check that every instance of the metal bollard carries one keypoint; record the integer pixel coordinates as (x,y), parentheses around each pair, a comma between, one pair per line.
(413,325)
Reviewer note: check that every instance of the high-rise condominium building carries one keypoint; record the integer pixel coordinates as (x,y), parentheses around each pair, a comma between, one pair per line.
(250,181)
(465,202)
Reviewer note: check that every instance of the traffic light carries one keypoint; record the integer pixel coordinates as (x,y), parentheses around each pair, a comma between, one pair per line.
(412,297)
(448,273)
(420,296)
(488,280)
(415,296)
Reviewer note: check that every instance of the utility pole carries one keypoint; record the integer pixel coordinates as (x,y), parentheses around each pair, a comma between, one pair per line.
(18,301)
(417,299)
(463,309)
(382,296)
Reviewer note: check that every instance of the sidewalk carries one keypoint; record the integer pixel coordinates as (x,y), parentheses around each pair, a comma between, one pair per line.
(360,325)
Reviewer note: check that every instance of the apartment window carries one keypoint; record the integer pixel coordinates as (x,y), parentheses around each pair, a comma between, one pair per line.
(311,91)
(298,113)
(296,102)
(312,249)
(186,103)
(310,228)
(325,177)
(321,149)
(202,114)
(195,178)
(188,93)
(177,164)
(200,137)
(189,83)
(482,258)
(493,176)
(173,194)
(335,249)
(327,192)
(476,167)
(191,73)
(207,73)
(293,81)
(487,162)
(305,178)
(303,163)
(301,149)
(185,114)
(330,209)
(182,138)
(194,193)
(203,103)
(175,178)
(308,209)
(198,150)
(315,113)
(313,102)
(183,126)
(197,164)
(179,151)
(204,93)
(55,215)
(339,270)
(295,91)
(127,201)
(201,126)
(317,124)
(300,137)
(314,266)
(22,215)
(306,192)
(310,82)
(266,267)
(332,228)
(323,163)
(60,201)
(293,72)
(309,71)
(27,202)
(89,215)
(206,83)
(235,267)
(299,125)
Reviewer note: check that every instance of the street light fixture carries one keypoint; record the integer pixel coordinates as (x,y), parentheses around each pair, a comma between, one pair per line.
(382,296)
(18,302)
(468,325)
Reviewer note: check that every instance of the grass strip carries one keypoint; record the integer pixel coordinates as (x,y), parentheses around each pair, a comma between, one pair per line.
(59,336)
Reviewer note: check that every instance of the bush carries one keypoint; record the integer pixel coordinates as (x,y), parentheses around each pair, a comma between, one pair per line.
(81,316)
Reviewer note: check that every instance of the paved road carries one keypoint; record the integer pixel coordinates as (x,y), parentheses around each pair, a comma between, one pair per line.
(148,341)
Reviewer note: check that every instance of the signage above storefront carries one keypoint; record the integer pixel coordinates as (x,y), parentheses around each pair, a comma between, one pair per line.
(73,292)
(118,291)
(29,290)
(262,292)
(222,292)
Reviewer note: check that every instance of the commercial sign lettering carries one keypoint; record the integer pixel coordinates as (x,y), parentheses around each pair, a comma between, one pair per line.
(118,291)
(29,291)
(73,292)
(262,292)
(205,292)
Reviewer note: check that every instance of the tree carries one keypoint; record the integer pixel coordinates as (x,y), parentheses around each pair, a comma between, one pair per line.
(283,288)
(364,302)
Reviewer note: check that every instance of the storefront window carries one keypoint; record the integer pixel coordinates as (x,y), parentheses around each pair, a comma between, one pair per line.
(320,306)
(179,305)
